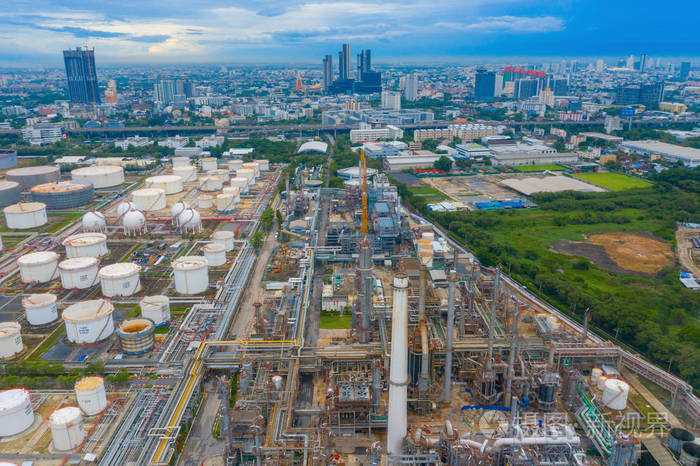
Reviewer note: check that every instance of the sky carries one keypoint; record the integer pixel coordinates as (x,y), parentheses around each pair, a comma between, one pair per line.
(33,32)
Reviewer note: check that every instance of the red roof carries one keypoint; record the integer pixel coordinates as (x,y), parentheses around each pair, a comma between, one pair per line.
(511,69)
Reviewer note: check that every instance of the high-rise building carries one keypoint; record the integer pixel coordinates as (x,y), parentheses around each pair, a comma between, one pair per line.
(685,70)
(525,88)
(559,86)
(111,96)
(484,85)
(640,94)
(642,62)
(630,62)
(82,76)
(327,72)
(410,92)
(391,100)
(599,66)
(364,63)
(547,97)
(344,63)
(164,91)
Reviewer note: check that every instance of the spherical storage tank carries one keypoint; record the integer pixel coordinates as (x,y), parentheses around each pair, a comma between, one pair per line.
(92,244)
(121,279)
(186,172)
(225,202)
(209,163)
(224,237)
(149,199)
(38,267)
(25,215)
(10,339)
(136,336)
(191,274)
(241,183)
(156,308)
(78,272)
(171,184)
(103,176)
(615,394)
(40,308)
(9,193)
(178,208)
(63,195)
(66,428)
(134,222)
(215,254)
(210,183)
(16,413)
(89,321)
(94,221)
(32,176)
(91,395)
(124,207)
(189,221)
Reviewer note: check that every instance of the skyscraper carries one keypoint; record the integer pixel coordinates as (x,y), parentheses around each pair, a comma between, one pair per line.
(642,62)
(344,63)
(391,100)
(410,92)
(526,88)
(327,72)
(685,70)
(364,63)
(484,85)
(82,76)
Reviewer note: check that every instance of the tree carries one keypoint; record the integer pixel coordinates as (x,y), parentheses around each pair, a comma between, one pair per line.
(443,164)
(429,144)
(463,163)
(257,239)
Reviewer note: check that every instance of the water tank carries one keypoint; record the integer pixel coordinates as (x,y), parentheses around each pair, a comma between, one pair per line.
(204,201)
(94,221)
(220,173)
(677,437)
(63,195)
(264,165)
(25,215)
(8,158)
(124,207)
(40,308)
(91,395)
(248,174)
(177,208)
(191,274)
(186,172)
(9,193)
(690,454)
(235,190)
(171,184)
(120,279)
(241,183)
(615,394)
(10,339)
(134,223)
(38,267)
(32,176)
(149,199)
(103,176)
(156,308)
(209,163)
(78,272)
(234,165)
(91,244)
(225,202)
(215,254)
(89,321)
(16,412)
(224,237)
(189,221)
(180,161)
(210,183)
(136,336)
(66,428)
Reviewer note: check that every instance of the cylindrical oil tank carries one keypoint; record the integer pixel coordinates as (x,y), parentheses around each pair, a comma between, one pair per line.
(25,215)
(209,163)
(149,199)
(120,279)
(264,165)
(180,161)
(10,339)
(9,193)
(89,321)
(677,437)
(225,237)
(136,336)
(91,395)
(16,412)
(220,173)
(247,173)
(252,166)
(241,183)
(32,176)
(210,183)
(40,308)
(215,254)
(94,221)
(78,272)
(90,244)
(171,184)
(38,267)
(690,454)
(102,176)
(8,158)
(546,395)
(63,195)
(186,172)
(615,394)
(235,190)
(191,274)
(205,201)
(156,308)
(134,222)
(189,221)
(225,202)
(66,428)
(234,165)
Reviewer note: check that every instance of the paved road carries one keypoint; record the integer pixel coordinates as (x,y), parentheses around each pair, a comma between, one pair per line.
(201,444)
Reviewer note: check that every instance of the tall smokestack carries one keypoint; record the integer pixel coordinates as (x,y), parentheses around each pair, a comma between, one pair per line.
(398,370)
(365,288)
(447,386)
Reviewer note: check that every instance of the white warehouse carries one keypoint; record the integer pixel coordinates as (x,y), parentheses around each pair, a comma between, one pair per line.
(688,156)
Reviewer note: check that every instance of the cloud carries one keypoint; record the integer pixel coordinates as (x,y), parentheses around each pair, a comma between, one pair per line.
(511,24)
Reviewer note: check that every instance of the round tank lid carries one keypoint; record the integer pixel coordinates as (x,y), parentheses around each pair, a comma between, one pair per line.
(65,415)
(190,263)
(135,325)
(119,270)
(214,247)
(155,299)
(38,300)
(31,171)
(84,239)
(616,384)
(60,187)
(22,207)
(13,397)
(8,185)
(89,383)
(148,192)
(97,170)
(222,234)
(38,258)
(9,328)
(88,310)
(164,179)
(77,263)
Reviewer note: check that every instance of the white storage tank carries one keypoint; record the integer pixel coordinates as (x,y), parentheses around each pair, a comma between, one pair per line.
(615,394)
(264,165)
(10,339)
(156,308)
(66,428)
(205,201)
(25,215)
(191,274)
(149,199)
(91,395)
(209,163)
(234,165)
(224,237)
(252,166)
(222,174)
(180,161)
(89,321)
(134,223)
(91,244)
(215,254)
(10,192)
(225,202)
(32,176)
(103,176)
(16,412)
(210,183)
(178,208)
(186,172)
(124,207)
(94,221)
(189,221)
(78,272)
(241,183)
(246,173)
(38,267)
(40,308)
(120,279)
(171,184)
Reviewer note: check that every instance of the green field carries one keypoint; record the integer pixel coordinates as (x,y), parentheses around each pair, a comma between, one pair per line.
(539,168)
(612,181)
(333,321)
(427,193)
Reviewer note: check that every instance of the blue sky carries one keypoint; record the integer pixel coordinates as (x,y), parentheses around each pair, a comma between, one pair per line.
(176,31)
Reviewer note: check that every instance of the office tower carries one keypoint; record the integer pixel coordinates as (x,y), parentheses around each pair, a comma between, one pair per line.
(391,100)
(111,96)
(164,91)
(642,62)
(344,63)
(410,92)
(82,76)
(327,72)
(559,86)
(599,66)
(640,94)
(685,70)
(498,90)
(484,85)
(364,63)
(526,88)
(188,89)
(630,62)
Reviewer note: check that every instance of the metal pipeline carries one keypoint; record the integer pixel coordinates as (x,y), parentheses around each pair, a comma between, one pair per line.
(511,356)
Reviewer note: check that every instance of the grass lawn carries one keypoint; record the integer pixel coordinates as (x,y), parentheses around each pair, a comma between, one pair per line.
(427,192)
(613,181)
(539,168)
(331,321)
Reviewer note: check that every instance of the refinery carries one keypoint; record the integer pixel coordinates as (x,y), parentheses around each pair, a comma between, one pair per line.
(296,324)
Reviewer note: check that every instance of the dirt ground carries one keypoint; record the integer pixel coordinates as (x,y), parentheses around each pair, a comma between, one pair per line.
(685,249)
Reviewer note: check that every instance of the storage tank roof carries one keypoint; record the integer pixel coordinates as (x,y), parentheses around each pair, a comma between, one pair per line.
(190,263)
(10,399)
(97,170)
(148,192)
(135,325)
(8,185)
(38,300)
(88,310)
(22,207)
(222,234)
(89,383)
(32,171)
(60,187)
(155,299)
(38,258)
(65,415)
(84,239)
(164,179)
(9,328)
(77,263)
(214,247)
(119,270)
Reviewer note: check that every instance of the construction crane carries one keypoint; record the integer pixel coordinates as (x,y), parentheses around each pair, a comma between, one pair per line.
(363,174)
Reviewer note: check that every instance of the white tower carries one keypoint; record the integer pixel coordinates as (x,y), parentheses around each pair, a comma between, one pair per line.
(398,371)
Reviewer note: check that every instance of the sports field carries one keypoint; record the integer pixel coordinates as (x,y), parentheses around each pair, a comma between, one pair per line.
(539,168)
(612,181)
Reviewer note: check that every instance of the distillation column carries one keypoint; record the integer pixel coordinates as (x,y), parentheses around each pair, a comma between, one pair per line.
(447,386)
(365,288)
(398,370)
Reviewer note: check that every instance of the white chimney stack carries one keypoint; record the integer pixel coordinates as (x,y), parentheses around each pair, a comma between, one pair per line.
(398,370)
